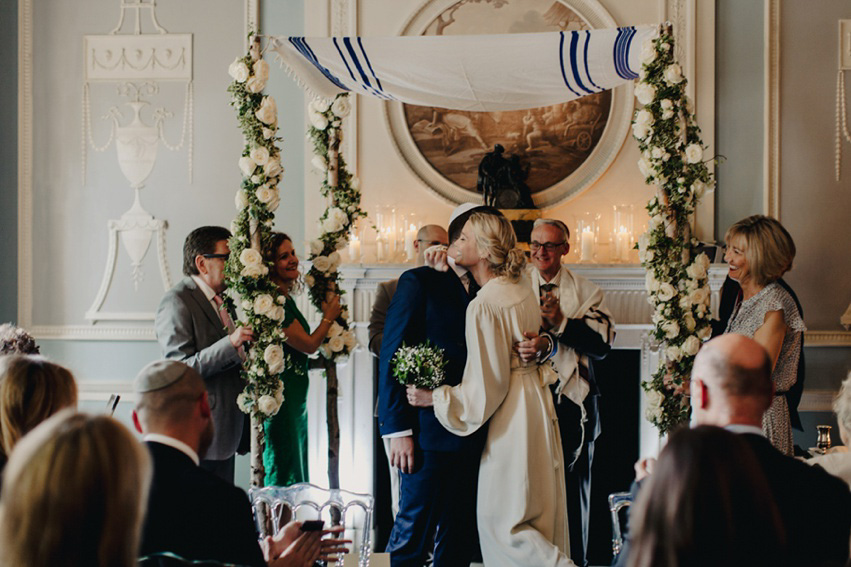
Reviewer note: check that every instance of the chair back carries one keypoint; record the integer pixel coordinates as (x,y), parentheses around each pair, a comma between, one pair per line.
(618,502)
(274,506)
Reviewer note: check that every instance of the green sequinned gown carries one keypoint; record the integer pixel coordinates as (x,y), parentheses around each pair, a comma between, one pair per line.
(285,455)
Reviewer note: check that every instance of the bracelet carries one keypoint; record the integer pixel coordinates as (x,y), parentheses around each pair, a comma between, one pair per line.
(329,321)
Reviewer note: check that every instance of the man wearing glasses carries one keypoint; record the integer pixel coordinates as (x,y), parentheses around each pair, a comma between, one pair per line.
(573,314)
(193,327)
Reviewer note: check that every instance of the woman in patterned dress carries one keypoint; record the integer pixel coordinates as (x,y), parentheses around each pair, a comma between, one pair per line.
(285,454)
(759,252)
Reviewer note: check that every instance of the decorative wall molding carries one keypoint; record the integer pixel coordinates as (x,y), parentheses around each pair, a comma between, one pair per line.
(817,401)
(827,339)
(771,159)
(93,332)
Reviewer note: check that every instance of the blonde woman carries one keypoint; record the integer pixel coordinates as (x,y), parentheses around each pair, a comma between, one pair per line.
(759,252)
(838,462)
(522,514)
(74,495)
(31,390)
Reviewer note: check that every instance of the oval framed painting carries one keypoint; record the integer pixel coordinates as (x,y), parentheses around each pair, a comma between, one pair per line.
(566,147)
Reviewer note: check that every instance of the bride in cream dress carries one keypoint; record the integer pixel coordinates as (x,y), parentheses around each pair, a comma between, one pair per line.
(522,514)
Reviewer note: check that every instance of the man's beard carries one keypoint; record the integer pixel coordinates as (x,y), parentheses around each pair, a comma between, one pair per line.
(206,439)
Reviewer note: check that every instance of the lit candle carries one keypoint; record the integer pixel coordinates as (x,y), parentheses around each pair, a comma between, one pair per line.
(354,249)
(380,247)
(587,245)
(410,238)
(622,242)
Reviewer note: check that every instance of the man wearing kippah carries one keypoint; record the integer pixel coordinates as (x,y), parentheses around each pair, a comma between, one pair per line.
(191,512)
(193,326)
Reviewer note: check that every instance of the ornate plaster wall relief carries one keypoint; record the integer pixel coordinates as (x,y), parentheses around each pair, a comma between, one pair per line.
(136,61)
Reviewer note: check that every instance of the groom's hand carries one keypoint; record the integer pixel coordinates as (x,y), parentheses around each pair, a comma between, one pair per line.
(241,335)
(402,453)
(532,348)
(436,257)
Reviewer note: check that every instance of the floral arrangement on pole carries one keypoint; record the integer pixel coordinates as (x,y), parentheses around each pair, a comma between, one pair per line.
(256,201)
(677,280)
(342,191)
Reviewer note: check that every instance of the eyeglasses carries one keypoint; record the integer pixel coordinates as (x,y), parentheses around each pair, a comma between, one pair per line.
(547,246)
(222,256)
(430,242)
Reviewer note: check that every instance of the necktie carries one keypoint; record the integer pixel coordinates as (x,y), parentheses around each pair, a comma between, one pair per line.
(226,320)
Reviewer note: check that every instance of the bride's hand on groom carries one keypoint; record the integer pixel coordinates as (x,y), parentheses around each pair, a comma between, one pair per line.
(532,348)
(420,398)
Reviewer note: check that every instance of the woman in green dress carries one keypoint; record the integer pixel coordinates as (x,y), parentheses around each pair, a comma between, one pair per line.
(285,455)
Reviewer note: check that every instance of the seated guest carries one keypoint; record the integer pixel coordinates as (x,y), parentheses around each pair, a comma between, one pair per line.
(74,495)
(192,512)
(707,503)
(731,388)
(15,340)
(839,463)
(31,390)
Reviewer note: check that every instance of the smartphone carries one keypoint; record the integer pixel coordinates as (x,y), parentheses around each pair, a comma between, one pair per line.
(312,525)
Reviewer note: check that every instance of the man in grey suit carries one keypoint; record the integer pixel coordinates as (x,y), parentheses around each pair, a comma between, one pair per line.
(192,327)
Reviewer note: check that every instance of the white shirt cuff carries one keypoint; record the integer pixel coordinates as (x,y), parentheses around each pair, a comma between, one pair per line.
(405,433)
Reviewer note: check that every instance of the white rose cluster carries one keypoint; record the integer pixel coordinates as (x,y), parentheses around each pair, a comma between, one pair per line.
(335,220)
(653,411)
(252,262)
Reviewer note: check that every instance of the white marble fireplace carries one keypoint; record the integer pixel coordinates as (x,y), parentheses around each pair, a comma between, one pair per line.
(625,297)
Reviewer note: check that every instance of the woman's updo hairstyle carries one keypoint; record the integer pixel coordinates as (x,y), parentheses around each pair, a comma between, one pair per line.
(497,244)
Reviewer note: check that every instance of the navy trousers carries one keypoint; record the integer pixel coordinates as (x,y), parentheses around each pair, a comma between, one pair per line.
(437,511)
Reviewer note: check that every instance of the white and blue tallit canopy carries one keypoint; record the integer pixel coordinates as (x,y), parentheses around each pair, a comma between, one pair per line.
(477,73)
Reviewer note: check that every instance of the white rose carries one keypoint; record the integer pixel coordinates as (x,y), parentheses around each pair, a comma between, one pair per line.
(263,303)
(696,271)
(255,85)
(250,257)
(648,52)
(238,70)
(309,280)
(651,284)
(667,114)
(694,153)
(278,314)
(350,339)
(261,70)
(645,93)
(666,104)
(321,263)
(323,350)
(268,405)
(246,305)
(655,221)
(700,296)
(341,243)
(705,332)
(644,117)
(243,402)
(259,155)
(334,220)
(688,319)
(640,131)
(317,120)
(355,183)
(254,271)
(316,247)
(319,105)
(645,168)
(685,303)
(691,345)
(273,205)
(335,329)
(341,107)
(273,167)
(703,260)
(273,355)
(268,111)
(673,74)
(653,411)
(666,292)
(268,133)
(266,194)
(657,153)
(671,328)
(240,200)
(673,353)
(336,344)
(247,166)
(319,163)
(335,259)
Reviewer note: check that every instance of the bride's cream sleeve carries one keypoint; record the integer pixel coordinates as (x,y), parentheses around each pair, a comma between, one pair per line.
(464,408)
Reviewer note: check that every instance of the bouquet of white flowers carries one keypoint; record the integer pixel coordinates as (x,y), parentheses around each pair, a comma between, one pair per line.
(422,366)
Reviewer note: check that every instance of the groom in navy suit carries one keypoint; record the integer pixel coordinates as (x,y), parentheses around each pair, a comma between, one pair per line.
(437,507)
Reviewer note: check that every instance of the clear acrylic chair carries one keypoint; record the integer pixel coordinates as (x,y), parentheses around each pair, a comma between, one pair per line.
(274,506)
(618,502)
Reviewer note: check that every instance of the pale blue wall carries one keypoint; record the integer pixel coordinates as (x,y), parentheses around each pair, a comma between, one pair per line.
(738,111)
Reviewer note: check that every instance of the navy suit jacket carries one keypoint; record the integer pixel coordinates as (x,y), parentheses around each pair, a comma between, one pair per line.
(428,305)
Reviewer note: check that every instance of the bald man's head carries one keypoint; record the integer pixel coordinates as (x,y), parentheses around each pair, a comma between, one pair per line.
(731,381)
(428,236)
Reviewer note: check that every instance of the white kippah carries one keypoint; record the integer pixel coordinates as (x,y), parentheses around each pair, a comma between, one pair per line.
(461,209)
(158,375)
